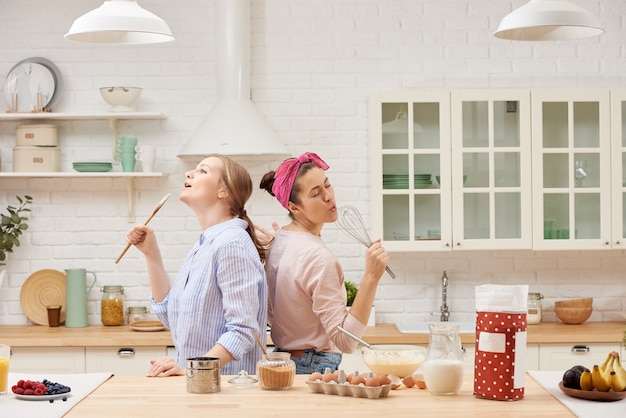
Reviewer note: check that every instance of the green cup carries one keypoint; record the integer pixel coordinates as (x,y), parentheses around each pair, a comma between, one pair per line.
(127,158)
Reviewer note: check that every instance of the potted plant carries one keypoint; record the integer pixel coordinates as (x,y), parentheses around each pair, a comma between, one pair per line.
(12,226)
(351,290)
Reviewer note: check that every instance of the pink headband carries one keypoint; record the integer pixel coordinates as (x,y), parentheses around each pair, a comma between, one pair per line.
(286,173)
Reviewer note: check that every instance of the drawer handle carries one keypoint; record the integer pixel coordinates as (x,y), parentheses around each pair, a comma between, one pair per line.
(126,352)
(580,349)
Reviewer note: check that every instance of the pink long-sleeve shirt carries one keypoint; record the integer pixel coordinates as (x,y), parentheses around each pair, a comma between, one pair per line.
(307,295)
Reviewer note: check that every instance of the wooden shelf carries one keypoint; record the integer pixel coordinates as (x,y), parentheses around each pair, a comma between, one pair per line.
(113,118)
(80,174)
(129,177)
(81,116)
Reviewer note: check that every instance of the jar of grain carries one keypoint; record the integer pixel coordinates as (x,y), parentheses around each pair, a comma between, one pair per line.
(276,371)
(112,305)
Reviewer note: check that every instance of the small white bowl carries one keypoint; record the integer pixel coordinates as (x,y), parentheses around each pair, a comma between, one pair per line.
(122,99)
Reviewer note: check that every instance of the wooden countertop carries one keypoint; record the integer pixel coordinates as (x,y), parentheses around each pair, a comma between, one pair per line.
(90,336)
(545,332)
(99,335)
(139,396)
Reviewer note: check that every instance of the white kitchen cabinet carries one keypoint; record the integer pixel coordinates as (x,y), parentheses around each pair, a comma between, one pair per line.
(491,169)
(560,357)
(44,360)
(476,144)
(618,167)
(532,356)
(122,360)
(571,169)
(410,146)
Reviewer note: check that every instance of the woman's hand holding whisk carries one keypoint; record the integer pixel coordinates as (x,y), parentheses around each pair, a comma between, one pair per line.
(376,259)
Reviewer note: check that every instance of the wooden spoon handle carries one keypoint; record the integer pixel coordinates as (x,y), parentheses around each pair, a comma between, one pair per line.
(154,212)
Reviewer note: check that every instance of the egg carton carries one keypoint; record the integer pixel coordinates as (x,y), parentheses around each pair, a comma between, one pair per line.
(346,389)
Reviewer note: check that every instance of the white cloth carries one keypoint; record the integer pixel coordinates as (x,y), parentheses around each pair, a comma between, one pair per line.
(81,384)
(581,407)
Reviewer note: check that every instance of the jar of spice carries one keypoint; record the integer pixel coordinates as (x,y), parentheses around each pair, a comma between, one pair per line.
(533,315)
(276,371)
(112,305)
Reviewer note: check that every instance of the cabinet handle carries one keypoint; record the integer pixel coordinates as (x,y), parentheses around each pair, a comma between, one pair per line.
(463,350)
(458,244)
(126,352)
(580,349)
(617,243)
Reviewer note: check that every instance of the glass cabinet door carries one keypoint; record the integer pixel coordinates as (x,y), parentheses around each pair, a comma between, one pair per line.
(410,153)
(491,169)
(618,166)
(572,173)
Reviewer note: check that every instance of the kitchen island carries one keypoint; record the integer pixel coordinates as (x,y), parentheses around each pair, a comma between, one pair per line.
(135,396)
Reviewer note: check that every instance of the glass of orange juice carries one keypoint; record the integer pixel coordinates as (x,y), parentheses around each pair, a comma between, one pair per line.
(5,352)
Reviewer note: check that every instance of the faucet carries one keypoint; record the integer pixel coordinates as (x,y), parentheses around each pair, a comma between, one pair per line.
(445,312)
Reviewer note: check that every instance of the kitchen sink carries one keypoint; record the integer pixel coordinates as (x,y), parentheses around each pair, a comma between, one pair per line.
(422,327)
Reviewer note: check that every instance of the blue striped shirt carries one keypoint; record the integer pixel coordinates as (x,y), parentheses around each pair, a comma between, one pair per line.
(219,296)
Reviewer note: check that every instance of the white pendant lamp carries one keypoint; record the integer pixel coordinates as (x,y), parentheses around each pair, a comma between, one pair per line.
(548,20)
(120,22)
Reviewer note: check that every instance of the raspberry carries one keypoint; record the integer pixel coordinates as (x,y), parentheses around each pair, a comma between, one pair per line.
(39,391)
(28,392)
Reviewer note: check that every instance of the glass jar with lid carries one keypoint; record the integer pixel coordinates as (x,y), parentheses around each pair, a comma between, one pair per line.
(112,305)
(136,313)
(533,316)
(276,371)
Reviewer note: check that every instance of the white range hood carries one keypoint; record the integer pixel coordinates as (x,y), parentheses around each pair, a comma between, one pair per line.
(234,126)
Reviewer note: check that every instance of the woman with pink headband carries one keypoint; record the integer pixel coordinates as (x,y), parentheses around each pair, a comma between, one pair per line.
(306,291)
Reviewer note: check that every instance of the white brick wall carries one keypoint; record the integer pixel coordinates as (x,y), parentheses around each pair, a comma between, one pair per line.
(314,64)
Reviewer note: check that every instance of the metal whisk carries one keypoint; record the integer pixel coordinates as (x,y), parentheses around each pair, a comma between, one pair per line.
(351,222)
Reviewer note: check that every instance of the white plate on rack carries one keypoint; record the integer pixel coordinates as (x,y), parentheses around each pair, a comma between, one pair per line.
(31,76)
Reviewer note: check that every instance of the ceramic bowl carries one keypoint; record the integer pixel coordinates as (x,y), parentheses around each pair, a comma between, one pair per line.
(121,99)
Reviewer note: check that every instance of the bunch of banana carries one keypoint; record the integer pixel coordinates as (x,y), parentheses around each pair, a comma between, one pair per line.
(609,375)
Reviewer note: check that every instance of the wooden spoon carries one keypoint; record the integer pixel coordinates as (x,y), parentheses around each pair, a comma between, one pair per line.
(154,212)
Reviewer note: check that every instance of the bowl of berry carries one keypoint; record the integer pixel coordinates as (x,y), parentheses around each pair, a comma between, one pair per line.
(45,390)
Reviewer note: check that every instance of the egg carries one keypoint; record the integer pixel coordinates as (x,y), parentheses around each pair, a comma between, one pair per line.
(409,381)
(331,377)
(372,381)
(315,376)
(358,380)
(419,381)
(384,380)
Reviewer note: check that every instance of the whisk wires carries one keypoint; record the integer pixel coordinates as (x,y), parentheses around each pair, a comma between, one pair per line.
(351,223)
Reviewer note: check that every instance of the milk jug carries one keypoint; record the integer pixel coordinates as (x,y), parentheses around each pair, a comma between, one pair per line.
(443,365)
(76,297)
